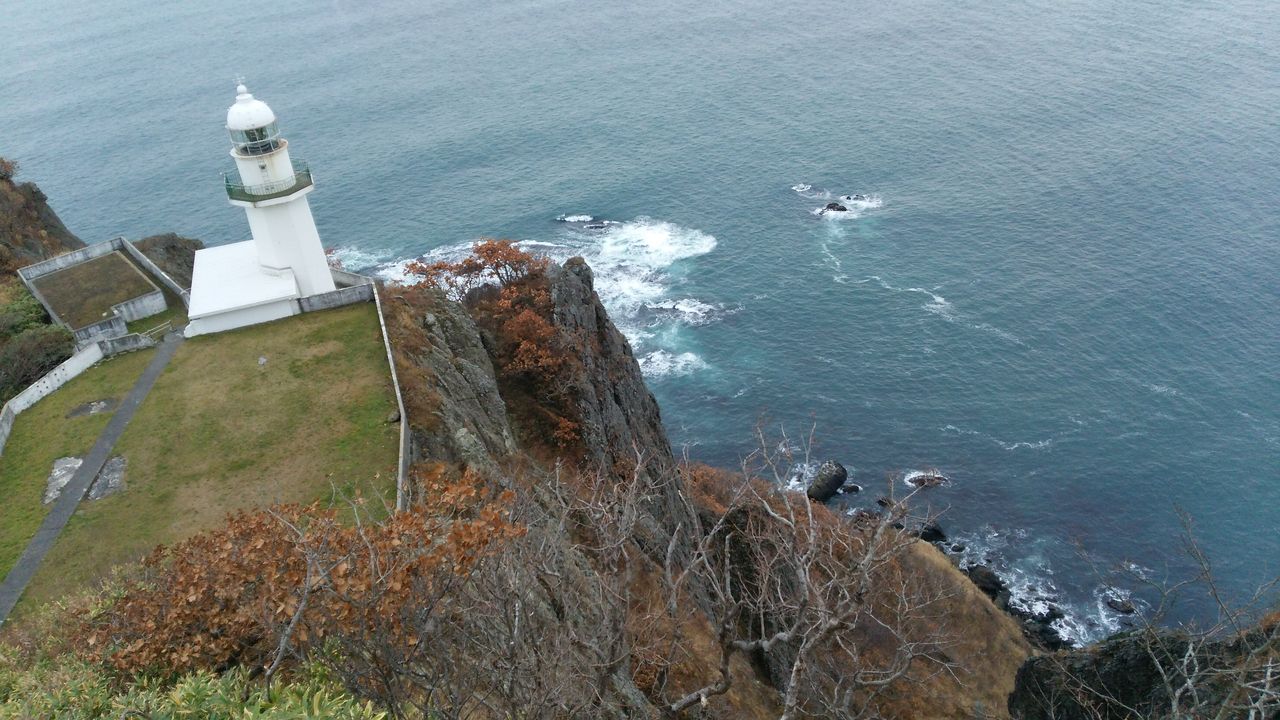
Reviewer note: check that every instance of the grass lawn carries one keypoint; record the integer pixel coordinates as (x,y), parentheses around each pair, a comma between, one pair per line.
(221,432)
(83,294)
(44,433)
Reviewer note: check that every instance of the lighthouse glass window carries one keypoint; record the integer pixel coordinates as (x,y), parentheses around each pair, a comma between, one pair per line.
(256,141)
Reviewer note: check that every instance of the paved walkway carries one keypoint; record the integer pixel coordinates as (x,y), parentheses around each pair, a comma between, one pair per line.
(65,506)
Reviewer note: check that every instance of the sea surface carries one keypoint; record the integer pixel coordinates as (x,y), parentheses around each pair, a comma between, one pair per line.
(1062,287)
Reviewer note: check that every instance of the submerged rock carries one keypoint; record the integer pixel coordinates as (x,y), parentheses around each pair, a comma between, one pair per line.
(831,476)
(835,207)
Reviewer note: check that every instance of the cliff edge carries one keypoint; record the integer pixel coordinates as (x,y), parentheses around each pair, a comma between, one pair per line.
(30,230)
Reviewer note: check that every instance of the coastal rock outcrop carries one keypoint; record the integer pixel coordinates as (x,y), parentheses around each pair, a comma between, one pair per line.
(176,255)
(30,231)
(828,481)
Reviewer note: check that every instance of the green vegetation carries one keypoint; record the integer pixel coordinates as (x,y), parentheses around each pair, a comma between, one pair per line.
(71,688)
(44,433)
(222,430)
(29,346)
(84,294)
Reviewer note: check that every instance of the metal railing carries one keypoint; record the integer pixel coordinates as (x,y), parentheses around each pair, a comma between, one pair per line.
(266,191)
(158,331)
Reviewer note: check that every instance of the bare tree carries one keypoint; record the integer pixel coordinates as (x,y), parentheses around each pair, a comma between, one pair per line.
(824,600)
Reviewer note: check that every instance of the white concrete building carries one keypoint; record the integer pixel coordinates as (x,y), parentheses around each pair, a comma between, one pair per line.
(261,279)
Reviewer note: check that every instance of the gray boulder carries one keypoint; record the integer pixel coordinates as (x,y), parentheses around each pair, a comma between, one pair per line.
(830,477)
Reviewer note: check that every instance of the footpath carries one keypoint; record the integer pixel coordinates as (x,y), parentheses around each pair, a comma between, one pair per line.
(65,506)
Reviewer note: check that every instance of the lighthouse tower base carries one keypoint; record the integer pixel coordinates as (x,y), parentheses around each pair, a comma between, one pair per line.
(229,289)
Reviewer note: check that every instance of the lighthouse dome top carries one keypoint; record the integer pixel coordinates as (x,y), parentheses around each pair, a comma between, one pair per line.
(248,113)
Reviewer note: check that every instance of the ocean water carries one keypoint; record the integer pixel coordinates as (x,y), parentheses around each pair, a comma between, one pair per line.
(1062,288)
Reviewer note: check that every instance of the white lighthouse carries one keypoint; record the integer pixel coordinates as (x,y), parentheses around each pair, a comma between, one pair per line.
(261,279)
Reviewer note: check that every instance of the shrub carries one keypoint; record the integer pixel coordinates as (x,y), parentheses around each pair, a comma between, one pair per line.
(27,356)
(533,358)
(283,582)
(22,313)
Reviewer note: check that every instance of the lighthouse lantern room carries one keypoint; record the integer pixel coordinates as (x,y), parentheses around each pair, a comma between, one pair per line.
(261,279)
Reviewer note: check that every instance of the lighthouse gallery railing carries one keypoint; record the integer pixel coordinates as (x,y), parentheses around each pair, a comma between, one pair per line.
(266,191)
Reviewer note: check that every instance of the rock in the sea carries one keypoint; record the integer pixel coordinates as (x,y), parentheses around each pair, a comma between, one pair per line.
(932,532)
(830,477)
(927,479)
(835,207)
(1121,605)
(958,548)
(986,579)
(850,488)
(1042,634)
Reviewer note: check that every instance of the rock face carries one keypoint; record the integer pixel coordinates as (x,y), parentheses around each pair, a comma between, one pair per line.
(446,362)
(987,580)
(618,416)
(467,423)
(615,408)
(831,476)
(176,255)
(1120,668)
(30,230)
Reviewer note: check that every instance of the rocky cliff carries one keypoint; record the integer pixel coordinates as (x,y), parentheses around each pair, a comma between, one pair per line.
(465,413)
(1158,673)
(176,255)
(30,230)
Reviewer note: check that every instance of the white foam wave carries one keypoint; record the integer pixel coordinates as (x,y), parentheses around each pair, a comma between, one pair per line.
(689,310)
(634,264)
(1016,445)
(1029,577)
(357,260)
(661,363)
(862,202)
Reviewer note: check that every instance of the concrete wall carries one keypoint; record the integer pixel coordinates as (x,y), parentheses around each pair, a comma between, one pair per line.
(337,298)
(82,360)
(62,262)
(153,303)
(124,344)
(110,328)
(155,271)
(7,416)
(344,279)
(57,377)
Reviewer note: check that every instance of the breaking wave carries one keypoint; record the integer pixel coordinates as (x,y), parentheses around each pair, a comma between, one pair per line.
(636,276)
(1029,576)
(661,363)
